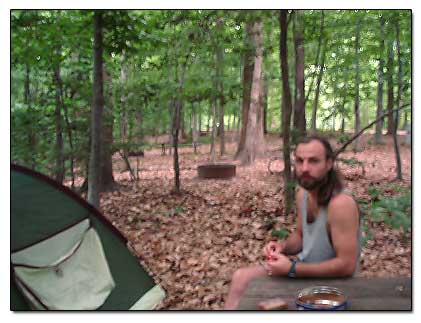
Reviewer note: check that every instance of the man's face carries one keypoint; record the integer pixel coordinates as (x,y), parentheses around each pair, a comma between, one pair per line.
(311,165)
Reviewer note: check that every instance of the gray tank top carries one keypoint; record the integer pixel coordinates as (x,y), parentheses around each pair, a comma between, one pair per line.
(316,243)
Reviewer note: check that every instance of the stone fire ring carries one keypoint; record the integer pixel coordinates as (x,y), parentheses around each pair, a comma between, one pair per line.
(216,171)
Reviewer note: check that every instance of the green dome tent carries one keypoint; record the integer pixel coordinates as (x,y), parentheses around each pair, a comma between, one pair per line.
(65,255)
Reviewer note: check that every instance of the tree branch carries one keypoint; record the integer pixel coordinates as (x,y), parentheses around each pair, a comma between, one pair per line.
(340,150)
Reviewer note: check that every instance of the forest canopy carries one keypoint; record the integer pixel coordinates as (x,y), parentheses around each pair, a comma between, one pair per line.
(199,58)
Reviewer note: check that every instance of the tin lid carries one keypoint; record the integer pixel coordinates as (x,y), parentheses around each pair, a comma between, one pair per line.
(321,297)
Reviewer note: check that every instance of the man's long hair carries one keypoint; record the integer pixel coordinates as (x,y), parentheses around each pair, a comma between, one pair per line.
(333,182)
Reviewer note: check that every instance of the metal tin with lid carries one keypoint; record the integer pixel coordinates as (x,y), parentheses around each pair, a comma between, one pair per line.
(321,298)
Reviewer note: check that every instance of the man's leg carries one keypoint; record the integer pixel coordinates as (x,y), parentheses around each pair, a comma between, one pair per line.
(239,282)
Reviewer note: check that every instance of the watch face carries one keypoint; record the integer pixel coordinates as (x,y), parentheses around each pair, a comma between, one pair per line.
(292,273)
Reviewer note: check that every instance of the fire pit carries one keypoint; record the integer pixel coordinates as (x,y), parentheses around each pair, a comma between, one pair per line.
(216,171)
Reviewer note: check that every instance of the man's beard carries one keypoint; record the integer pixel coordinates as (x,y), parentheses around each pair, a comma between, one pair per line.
(311,183)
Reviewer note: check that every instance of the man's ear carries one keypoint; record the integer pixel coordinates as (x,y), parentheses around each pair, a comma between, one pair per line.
(329,163)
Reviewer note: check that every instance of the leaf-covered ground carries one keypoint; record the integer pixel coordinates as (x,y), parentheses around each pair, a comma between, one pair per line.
(192,243)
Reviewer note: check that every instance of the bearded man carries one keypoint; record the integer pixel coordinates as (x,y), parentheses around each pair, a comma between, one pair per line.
(327,239)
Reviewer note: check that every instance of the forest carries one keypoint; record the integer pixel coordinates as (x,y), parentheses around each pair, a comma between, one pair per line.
(122,106)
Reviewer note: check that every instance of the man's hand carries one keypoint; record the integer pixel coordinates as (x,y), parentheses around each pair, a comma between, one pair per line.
(279,265)
(274,248)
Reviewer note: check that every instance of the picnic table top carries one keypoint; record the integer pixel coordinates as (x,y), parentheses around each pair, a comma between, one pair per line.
(363,294)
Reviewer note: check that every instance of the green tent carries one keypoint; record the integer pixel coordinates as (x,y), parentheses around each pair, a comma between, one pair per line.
(65,255)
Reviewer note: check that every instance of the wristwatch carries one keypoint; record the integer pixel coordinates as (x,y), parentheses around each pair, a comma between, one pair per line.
(292,273)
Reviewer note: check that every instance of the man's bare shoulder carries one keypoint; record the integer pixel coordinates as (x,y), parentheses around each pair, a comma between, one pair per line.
(299,194)
(342,199)
(342,203)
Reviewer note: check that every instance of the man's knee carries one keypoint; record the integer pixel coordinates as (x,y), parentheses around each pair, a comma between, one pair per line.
(244,275)
(239,275)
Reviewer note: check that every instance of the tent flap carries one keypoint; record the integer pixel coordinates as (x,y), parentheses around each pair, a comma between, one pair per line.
(40,207)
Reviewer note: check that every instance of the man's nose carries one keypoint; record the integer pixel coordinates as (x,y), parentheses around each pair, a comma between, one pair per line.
(305,166)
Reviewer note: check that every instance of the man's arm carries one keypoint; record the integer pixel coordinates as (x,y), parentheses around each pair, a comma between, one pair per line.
(343,224)
(294,243)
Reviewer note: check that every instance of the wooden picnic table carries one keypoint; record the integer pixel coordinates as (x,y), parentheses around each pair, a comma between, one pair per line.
(363,294)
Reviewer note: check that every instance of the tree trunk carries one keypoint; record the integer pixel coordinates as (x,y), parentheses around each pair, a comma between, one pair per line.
(390,121)
(139,121)
(286,114)
(357,146)
(379,125)
(123,112)
(214,131)
(31,133)
(316,63)
(317,92)
(182,125)
(405,121)
(194,128)
(233,126)
(398,103)
(94,179)
(248,69)
(209,116)
(59,169)
(219,71)
(63,106)
(107,178)
(199,126)
(254,144)
(264,103)
(299,109)
(344,101)
(176,127)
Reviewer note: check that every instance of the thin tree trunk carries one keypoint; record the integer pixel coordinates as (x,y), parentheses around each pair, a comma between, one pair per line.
(178,108)
(59,169)
(214,131)
(107,178)
(357,126)
(390,121)
(199,127)
(247,83)
(209,116)
(31,133)
(286,114)
(398,103)
(220,84)
(194,128)
(182,125)
(233,127)
(94,179)
(59,88)
(379,111)
(317,92)
(176,127)
(344,101)
(265,105)
(299,108)
(405,121)
(123,112)
(229,122)
(214,114)
(316,63)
